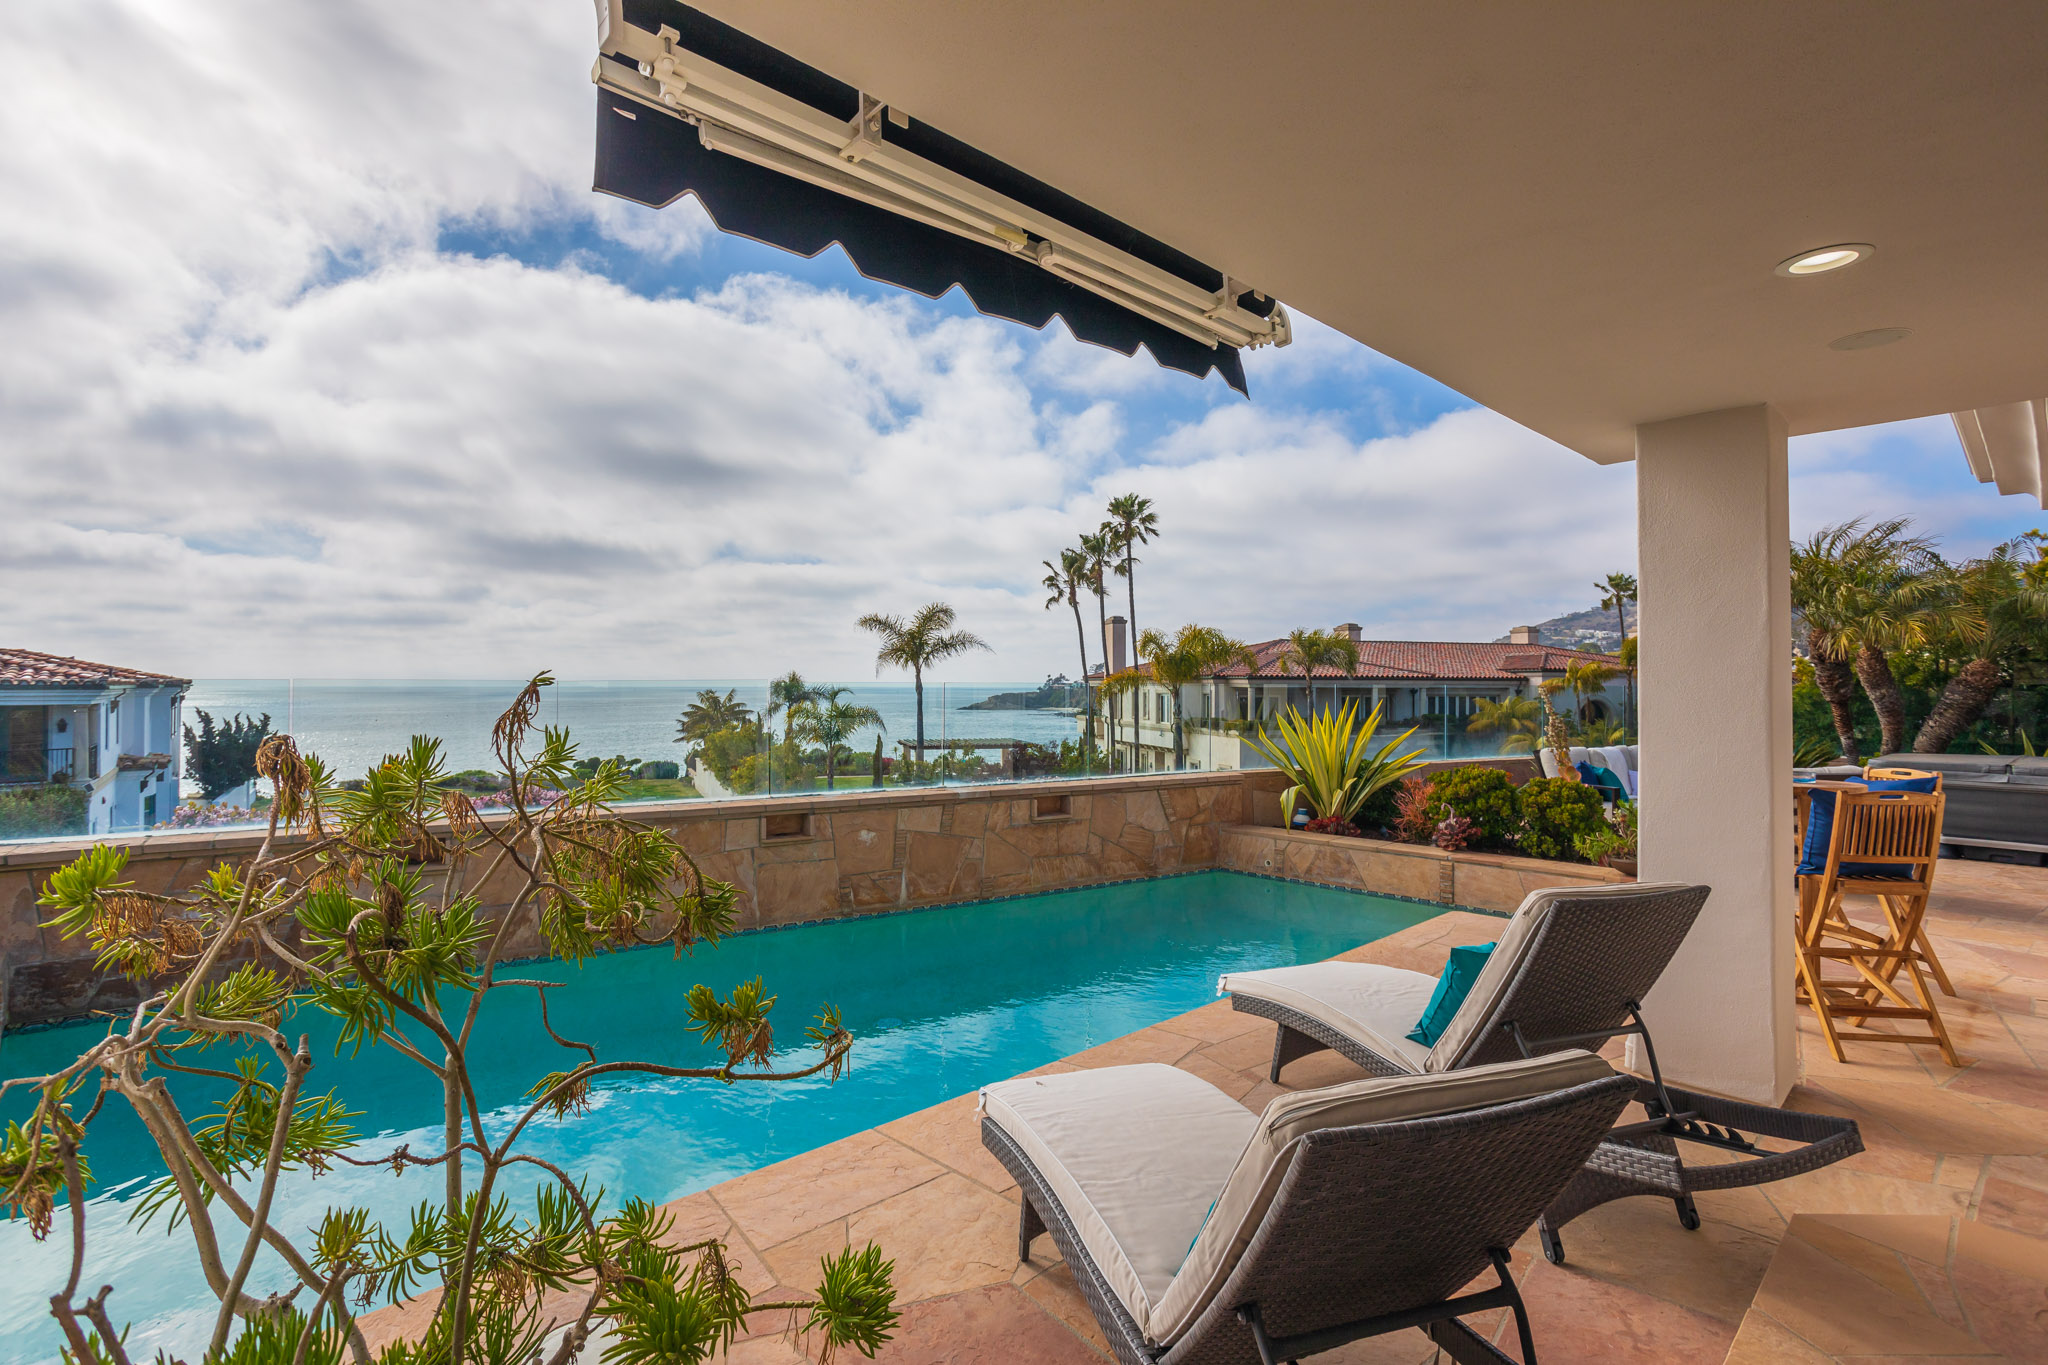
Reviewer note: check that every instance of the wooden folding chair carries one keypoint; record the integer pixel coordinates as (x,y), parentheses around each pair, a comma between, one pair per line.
(1921,941)
(1883,844)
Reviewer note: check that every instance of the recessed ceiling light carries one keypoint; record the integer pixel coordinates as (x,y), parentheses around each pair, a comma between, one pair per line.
(1822,259)
(1864,341)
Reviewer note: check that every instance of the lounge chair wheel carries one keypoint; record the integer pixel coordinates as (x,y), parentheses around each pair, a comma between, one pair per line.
(1553,1245)
(1688,1215)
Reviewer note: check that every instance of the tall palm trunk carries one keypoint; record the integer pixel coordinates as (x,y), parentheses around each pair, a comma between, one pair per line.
(1131,589)
(917,679)
(1874,671)
(1102,616)
(1837,683)
(1958,707)
(1180,752)
(1087,693)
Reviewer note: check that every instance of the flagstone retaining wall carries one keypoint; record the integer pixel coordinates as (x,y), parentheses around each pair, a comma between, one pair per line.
(820,856)
(1478,881)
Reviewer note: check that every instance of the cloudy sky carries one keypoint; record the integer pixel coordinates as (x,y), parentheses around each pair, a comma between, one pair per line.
(320,358)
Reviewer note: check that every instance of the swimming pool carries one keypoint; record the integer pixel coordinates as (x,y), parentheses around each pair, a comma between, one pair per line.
(941,1001)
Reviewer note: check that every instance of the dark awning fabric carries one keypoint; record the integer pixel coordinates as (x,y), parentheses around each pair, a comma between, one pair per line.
(654,158)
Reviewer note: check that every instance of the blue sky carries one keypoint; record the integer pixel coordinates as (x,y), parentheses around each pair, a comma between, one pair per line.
(340,369)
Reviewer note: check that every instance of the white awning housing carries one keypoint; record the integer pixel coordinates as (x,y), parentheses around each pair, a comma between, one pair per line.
(2007,445)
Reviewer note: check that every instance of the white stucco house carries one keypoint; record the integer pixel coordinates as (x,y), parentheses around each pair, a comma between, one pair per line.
(110,732)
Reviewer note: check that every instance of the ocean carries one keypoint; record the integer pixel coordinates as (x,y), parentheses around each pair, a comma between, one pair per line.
(353,723)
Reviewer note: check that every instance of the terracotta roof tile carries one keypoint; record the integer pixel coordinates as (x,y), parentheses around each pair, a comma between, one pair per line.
(1425,661)
(27,668)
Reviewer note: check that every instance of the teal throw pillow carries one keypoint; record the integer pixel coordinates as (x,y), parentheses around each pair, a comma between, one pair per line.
(1451,989)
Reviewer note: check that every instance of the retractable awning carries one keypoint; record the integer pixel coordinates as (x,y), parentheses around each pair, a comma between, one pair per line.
(781,152)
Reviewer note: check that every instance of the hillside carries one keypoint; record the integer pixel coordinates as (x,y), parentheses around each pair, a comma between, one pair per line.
(1592,628)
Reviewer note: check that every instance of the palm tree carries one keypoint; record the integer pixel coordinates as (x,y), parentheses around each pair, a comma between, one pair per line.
(1098,551)
(1518,719)
(1867,591)
(822,718)
(1818,574)
(1585,677)
(785,694)
(1308,650)
(1192,654)
(1999,605)
(1064,584)
(709,714)
(926,638)
(1627,656)
(1131,523)
(1617,590)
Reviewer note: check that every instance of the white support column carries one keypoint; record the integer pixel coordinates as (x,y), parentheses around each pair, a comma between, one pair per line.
(1716,724)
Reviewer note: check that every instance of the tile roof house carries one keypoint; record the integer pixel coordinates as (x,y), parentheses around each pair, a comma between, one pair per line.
(108,731)
(1433,685)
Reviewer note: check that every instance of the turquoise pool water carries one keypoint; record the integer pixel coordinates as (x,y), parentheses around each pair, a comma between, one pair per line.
(941,1002)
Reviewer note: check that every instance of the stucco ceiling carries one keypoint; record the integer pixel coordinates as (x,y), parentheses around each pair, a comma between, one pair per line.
(1570,212)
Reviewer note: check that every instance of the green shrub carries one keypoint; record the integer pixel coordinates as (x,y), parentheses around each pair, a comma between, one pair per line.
(1485,796)
(32,812)
(1555,812)
(661,770)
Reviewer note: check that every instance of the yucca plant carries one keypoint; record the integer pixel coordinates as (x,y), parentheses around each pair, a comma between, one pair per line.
(1331,761)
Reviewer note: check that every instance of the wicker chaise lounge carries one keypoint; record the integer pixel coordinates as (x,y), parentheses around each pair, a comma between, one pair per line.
(1570,970)
(1203,1234)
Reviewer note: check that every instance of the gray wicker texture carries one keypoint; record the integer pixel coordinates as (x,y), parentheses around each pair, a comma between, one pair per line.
(1588,962)
(1371,1220)
(1650,1163)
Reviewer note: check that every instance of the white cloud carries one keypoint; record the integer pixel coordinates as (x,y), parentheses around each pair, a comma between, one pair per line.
(254,422)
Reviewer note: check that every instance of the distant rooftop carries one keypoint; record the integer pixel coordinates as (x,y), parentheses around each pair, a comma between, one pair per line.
(1424,661)
(27,668)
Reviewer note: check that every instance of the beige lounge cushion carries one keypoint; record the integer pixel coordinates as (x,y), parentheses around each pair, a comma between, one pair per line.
(1253,1183)
(1511,951)
(1363,1000)
(1135,1155)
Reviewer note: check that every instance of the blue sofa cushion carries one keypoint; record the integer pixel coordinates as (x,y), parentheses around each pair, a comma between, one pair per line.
(1602,780)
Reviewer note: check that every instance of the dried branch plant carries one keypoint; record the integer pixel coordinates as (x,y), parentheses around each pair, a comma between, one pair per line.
(365,903)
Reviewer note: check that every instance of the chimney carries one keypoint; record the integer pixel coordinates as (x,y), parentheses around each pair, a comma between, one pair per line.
(1116,644)
(1525,635)
(1352,631)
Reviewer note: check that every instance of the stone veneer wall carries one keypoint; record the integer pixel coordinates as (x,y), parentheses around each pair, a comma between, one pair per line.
(1480,881)
(793,859)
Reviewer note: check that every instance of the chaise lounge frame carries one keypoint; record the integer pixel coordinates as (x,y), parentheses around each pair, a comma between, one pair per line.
(1457,1190)
(1568,964)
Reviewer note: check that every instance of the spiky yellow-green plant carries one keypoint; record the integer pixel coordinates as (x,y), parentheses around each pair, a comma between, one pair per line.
(1331,761)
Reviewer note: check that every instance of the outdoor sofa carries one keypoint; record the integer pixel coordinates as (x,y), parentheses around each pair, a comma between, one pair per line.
(1623,760)
(1203,1234)
(1570,970)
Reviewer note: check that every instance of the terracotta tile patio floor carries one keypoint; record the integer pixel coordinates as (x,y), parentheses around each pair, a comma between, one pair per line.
(1929,1246)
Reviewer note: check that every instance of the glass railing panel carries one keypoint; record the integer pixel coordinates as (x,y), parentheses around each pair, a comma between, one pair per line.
(672,740)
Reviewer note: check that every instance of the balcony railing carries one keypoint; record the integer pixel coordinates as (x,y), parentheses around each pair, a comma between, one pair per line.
(24,766)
